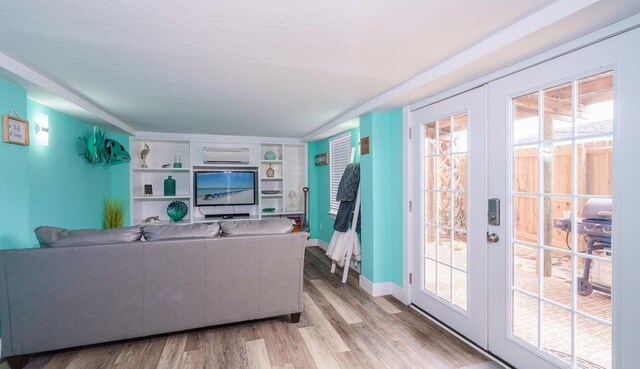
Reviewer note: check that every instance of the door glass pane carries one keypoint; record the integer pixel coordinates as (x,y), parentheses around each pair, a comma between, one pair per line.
(595,166)
(558,112)
(460,250)
(525,272)
(460,211)
(556,281)
(595,97)
(444,173)
(430,275)
(525,168)
(444,246)
(561,241)
(445,209)
(526,121)
(593,343)
(430,241)
(444,281)
(444,136)
(525,218)
(556,331)
(430,139)
(525,317)
(593,299)
(429,173)
(459,133)
(459,172)
(557,211)
(459,288)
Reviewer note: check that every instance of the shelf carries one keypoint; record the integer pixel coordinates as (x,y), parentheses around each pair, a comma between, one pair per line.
(161,169)
(271,178)
(275,195)
(162,222)
(278,213)
(272,162)
(215,220)
(157,197)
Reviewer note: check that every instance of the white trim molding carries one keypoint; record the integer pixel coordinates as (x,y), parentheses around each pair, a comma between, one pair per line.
(313,242)
(31,76)
(381,288)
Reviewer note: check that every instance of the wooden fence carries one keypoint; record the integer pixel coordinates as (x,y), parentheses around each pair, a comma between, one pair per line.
(594,167)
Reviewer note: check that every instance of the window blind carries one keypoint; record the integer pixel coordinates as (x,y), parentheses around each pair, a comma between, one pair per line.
(339,158)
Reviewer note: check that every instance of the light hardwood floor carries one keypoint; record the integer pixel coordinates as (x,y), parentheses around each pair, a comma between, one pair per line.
(341,327)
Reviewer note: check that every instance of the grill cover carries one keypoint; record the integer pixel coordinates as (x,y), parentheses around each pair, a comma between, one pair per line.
(598,209)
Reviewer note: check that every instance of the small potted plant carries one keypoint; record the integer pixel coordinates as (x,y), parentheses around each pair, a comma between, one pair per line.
(114,213)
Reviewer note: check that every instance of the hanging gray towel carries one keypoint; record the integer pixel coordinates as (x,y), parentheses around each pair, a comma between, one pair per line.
(349,182)
(347,191)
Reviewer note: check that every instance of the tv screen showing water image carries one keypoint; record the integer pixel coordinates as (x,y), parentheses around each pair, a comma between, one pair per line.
(219,188)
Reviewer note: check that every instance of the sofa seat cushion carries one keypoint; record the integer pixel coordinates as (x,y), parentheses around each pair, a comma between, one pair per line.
(57,237)
(256,227)
(180,231)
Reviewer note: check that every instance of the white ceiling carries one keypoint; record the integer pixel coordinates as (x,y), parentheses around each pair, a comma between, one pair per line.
(260,68)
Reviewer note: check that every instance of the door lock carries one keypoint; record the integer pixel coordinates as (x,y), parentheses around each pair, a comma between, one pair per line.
(492,237)
(493,214)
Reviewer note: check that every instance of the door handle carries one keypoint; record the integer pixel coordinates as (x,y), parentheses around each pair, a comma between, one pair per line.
(492,237)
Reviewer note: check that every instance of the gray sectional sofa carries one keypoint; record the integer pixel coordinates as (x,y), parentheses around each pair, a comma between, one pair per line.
(66,296)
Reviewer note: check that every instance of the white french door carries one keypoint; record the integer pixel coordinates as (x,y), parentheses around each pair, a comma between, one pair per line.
(449,148)
(557,285)
(556,165)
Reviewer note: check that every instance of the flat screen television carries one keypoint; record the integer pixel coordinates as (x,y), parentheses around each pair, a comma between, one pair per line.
(225,188)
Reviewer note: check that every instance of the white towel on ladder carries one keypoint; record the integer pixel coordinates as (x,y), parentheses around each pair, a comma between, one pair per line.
(339,245)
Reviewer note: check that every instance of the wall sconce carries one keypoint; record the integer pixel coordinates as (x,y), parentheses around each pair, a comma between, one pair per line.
(42,129)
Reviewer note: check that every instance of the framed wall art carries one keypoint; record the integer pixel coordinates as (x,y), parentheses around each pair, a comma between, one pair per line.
(364,145)
(321,159)
(15,130)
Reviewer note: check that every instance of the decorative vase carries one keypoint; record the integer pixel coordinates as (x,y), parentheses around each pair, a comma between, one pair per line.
(269,155)
(169,187)
(177,210)
(270,172)
(177,161)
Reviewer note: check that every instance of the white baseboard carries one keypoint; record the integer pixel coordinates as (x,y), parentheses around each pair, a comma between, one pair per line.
(312,242)
(380,289)
(323,245)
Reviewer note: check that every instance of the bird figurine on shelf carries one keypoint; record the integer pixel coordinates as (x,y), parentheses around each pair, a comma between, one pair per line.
(152,219)
(143,155)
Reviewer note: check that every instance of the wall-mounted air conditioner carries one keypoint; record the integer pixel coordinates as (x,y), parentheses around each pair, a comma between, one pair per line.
(225,155)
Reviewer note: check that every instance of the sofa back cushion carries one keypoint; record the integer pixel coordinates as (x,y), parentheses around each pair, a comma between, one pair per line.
(256,227)
(180,231)
(56,237)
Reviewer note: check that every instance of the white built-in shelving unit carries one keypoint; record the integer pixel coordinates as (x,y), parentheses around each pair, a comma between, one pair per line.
(162,151)
(290,168)
(290,177)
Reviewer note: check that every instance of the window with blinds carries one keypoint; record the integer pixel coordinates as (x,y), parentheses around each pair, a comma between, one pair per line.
(339,158)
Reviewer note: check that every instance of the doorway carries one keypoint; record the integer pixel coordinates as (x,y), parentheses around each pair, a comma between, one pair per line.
(543,285)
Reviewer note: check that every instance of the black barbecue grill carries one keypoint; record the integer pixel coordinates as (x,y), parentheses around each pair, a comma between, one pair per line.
(596,227)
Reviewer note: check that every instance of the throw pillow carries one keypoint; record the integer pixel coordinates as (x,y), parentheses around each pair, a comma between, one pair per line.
(56,237)
(175,231)
(256,227)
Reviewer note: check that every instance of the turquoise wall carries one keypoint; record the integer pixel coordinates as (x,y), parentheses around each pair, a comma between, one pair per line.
(14,175)
(381,195)
(52,185)
(381,189)
(319,187)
